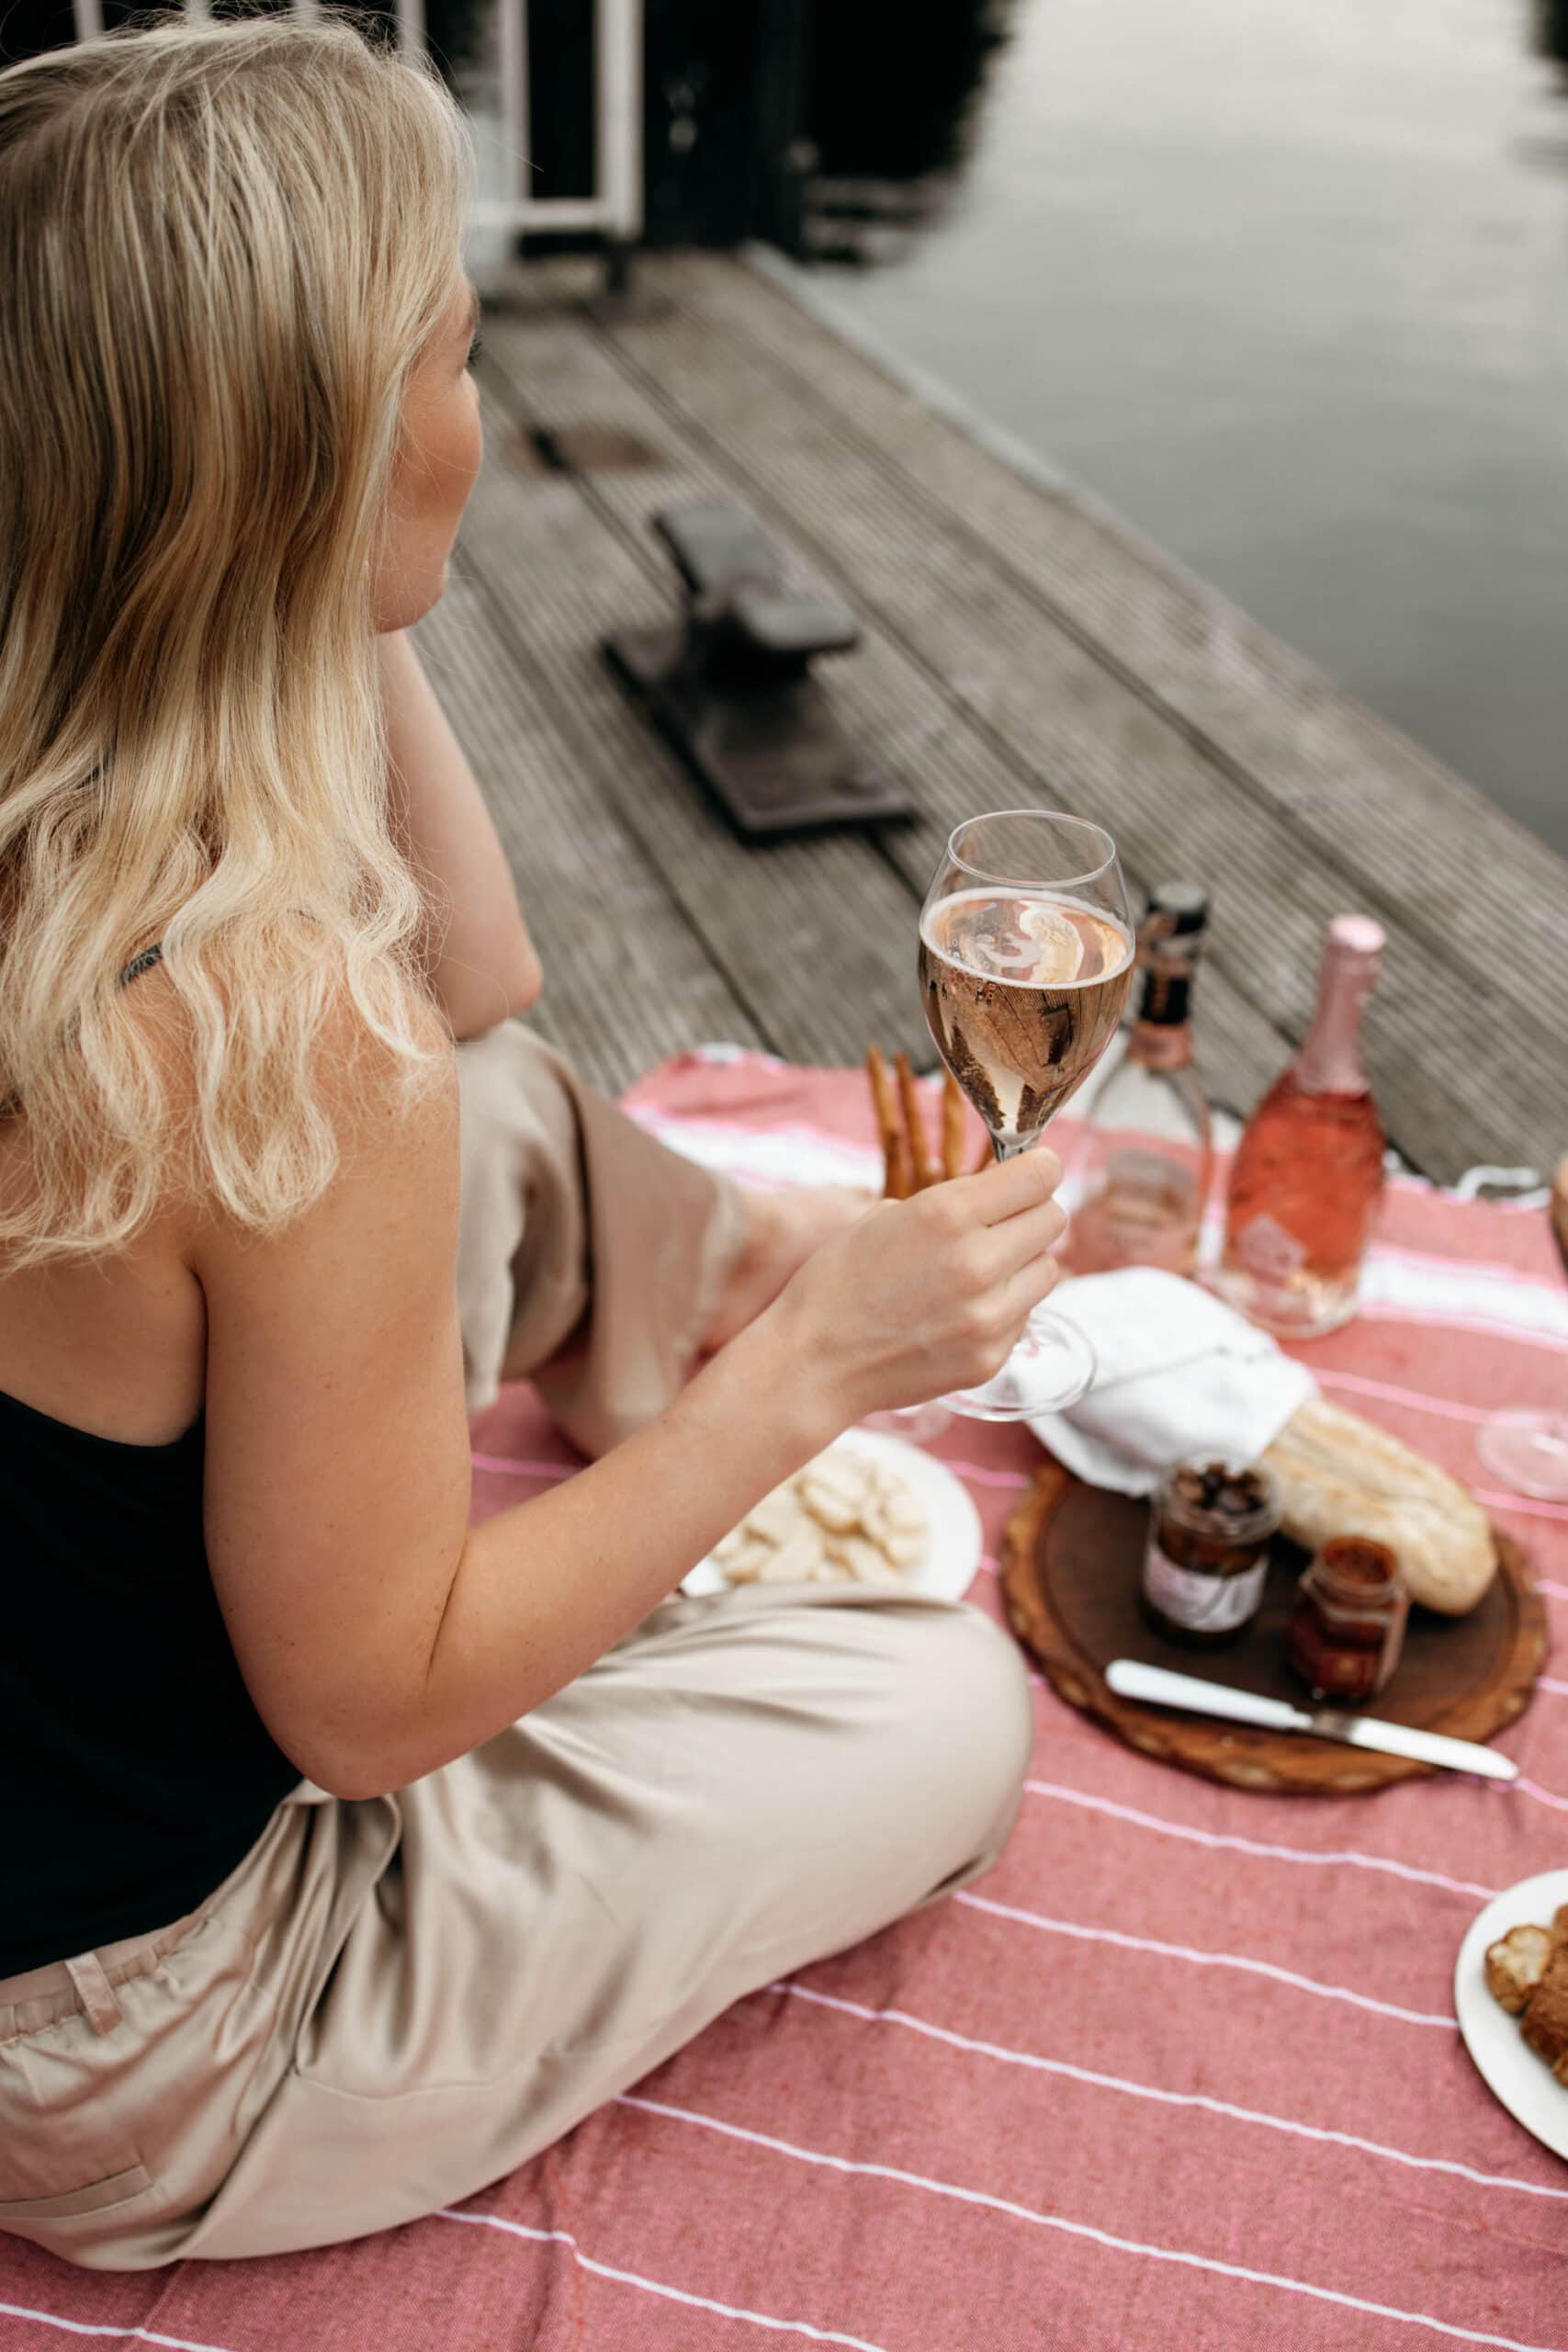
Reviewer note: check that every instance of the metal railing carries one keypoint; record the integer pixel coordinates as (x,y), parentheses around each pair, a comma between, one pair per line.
(614,208)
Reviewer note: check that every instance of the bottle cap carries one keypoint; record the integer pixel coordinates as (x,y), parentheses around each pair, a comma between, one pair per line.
(1357,935)
(1183,905)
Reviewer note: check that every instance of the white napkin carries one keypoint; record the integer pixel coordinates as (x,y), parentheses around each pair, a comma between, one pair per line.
(1179,1372)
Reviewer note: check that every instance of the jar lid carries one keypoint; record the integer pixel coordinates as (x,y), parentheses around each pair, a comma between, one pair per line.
(1357,1568)
(1214,1495)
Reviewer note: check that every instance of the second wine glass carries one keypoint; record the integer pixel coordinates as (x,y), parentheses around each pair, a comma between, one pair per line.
(1026,958)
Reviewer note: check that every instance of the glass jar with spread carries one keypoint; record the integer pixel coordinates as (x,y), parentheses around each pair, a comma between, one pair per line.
(1208,1553)
(1348,1626)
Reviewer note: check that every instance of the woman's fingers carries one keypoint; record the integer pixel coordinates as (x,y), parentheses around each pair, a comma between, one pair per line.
(1009,1188)
(1002,1250)
(1002,1217)
(925,1294)
(1017,1298)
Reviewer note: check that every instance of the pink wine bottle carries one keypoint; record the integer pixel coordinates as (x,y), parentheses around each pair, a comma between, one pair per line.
(1308,1174)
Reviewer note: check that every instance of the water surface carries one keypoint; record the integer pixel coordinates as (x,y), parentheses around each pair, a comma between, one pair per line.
(1286,281)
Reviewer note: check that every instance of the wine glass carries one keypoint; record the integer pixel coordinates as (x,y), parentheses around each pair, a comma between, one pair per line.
(916,1424)
(1026,957)
(1528,1451)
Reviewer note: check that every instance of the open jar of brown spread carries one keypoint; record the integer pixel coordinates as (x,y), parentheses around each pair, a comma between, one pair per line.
(1208,1552)
(1348,1626)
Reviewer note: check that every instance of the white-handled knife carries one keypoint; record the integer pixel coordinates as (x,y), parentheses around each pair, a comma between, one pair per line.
(1159,1687)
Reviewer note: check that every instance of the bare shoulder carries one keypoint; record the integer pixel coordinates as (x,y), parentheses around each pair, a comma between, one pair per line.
(124,1343)
(390,1126)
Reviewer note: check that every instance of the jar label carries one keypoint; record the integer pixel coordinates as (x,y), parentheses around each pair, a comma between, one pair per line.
(1202,1604)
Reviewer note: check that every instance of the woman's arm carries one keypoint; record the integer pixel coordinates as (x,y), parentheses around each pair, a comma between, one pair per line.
(378,1634)
(481,960)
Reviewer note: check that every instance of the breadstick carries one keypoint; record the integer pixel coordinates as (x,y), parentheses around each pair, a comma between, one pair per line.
(887,1130)
(902,1182)
(914,1125)
(952,1126)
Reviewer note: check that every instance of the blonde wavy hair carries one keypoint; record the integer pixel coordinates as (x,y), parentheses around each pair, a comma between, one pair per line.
(222,248)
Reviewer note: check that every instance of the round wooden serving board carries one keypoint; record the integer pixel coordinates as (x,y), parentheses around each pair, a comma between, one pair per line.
(1072,1567)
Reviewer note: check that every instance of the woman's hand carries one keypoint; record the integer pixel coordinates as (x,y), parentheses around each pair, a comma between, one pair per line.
(928,1295)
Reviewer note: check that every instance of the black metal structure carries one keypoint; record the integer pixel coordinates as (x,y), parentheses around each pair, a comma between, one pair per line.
(731,685)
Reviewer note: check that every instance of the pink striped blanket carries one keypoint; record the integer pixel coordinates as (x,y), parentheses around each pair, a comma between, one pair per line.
(1182,2072)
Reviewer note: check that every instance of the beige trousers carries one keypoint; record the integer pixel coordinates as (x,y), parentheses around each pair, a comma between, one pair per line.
(566,1202)
(392,2002)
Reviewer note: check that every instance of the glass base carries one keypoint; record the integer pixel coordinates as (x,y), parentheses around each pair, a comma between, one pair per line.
(1052,1367)
(916,1424)
(1528,1452)
(1308,1310)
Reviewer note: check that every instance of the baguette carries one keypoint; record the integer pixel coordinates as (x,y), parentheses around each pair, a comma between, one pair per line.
(1338,1475)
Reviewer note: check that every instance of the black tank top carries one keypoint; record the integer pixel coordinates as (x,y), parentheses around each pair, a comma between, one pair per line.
(135,1768)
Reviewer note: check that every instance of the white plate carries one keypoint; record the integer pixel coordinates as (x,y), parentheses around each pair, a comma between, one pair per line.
(1527,2088)
(947,1567)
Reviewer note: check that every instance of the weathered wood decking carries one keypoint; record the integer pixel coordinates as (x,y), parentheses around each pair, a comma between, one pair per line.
(1022,646)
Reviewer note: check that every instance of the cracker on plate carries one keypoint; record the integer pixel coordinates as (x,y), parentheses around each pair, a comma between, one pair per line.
(845,1517)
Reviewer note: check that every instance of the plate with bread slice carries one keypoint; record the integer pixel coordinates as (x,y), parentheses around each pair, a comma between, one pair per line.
(1511,1997)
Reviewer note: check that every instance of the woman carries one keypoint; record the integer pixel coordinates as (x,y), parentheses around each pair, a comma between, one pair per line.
(355,1854)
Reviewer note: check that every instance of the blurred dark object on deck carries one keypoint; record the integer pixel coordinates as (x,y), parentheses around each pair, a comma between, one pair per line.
(762,120)
(730,683)
(817,128)
(28,27)
(722,114)
(891,120)
(1551,30)
(880,105)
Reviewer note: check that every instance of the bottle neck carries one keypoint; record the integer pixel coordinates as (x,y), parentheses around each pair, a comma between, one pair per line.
(1155,1046)
(1161,1037)
(1164,999)
(1330,1060)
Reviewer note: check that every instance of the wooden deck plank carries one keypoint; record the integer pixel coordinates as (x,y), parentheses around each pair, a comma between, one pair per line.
(1443,859)
(1012,670)
(814,939)
(626,978)
(557,375)
(1466,1063)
